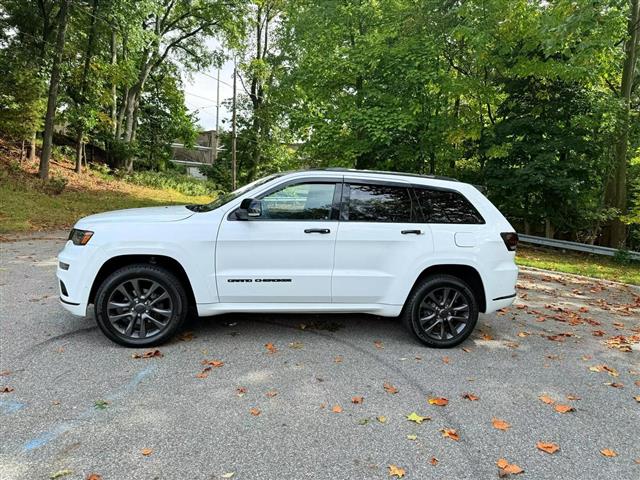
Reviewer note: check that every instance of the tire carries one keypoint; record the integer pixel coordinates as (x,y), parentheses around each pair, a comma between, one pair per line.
(140,305)
(437,324)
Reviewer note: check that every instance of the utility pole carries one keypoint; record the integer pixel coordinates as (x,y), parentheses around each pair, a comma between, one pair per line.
(233,129)
(215,139)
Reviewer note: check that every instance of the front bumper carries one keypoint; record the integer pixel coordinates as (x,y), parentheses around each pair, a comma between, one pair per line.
(74,283)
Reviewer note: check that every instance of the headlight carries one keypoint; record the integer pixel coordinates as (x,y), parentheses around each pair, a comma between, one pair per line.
(80,237)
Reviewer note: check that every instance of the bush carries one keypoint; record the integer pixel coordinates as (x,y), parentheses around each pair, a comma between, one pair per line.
(168,180)
(55,185)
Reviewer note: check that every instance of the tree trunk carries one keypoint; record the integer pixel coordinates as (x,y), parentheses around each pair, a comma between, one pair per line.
(52,100)
(32,149)
(79,145)
(549,230)
(617,187)
(114,90)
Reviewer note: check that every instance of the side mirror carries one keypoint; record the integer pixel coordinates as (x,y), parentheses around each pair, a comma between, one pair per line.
(249,208)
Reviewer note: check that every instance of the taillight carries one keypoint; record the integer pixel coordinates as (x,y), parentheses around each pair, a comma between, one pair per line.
(510,240)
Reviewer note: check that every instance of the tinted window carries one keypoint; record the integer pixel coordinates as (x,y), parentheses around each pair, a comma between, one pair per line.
(440,206)
(306,201)
(379,203)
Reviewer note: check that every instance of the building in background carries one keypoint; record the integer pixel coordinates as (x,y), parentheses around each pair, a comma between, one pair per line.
(204,152)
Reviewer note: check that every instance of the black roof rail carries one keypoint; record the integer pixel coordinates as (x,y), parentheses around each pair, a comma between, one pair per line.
(383,172)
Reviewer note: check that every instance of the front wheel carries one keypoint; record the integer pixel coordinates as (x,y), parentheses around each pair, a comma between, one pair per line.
(441,311)
(140,305)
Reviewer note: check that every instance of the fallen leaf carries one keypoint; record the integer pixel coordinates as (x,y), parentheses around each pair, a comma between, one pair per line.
(357,400)
(486,336)
(336,409)
(240,391)
(564,408)
(466,350)
(101,404)
(507,468)
(296,345)
(637,398)
(445,360)
(60,473)
(146,452)
(607,452)
(604,368)
(271,393)
(378,343)
(615,385)
(440,401)
(396,471)
(412,437)
(381,419)
(186,337)
(390,388)
(548,447)
(213,363)
(228,474)
(338,359)
(450,433)
(500,424)
(148,354)
(363,421)
(414,417)
(5,373)
(271,347)
(471,397)
(573,397)
(433,461)
(6,389)
(202,374)
(546,399)
(94,476)
(254,411)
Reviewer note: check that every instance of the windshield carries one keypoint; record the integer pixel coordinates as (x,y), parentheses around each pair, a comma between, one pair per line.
(227,197)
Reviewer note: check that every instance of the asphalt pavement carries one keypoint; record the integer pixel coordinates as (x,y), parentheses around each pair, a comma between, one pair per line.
(282,403)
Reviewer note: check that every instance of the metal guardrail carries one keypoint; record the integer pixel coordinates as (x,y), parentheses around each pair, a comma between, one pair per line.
(578,247)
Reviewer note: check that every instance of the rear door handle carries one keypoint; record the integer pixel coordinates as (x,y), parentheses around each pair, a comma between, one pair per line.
(415,232)
(317,230)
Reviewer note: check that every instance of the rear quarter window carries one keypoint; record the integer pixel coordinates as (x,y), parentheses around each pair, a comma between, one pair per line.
(447,206)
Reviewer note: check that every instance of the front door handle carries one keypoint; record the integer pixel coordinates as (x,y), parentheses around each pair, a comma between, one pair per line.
(415,232)
(317,230)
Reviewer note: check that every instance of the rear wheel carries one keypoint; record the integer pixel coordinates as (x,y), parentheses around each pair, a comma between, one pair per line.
(140,305)
(441,311)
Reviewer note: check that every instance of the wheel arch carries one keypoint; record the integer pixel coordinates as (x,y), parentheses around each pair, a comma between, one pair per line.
(171,264)
(466,273)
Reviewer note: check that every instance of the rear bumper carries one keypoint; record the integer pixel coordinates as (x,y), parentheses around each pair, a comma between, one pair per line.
(500,286)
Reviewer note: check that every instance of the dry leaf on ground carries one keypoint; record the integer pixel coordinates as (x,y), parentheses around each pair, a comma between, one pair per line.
(396,471)
(470,396)
(440,401)
(146,452)
(500,424)
(564,408)
(548,447)
(450,433)
(607,452)
(390,388)
(336,409)
(255,411)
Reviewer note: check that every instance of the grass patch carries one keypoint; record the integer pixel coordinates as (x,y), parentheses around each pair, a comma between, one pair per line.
(28,204)
(595,266)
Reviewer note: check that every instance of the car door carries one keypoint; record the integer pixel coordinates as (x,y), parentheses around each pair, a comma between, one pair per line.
(379,242)
(286,254)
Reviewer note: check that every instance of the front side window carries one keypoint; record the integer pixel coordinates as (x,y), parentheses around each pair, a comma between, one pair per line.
(379,203)
(305,201)
(444,206)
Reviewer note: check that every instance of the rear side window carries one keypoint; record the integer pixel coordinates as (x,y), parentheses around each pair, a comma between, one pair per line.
(379,203)
(443,206)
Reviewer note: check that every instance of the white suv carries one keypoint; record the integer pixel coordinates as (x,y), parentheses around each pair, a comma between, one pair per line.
(434,251)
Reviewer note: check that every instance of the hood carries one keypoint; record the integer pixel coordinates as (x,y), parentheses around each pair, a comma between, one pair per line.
(139,215)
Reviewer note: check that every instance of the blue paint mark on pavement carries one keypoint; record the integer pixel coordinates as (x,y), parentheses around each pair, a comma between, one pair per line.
(61,428)
(8,407)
